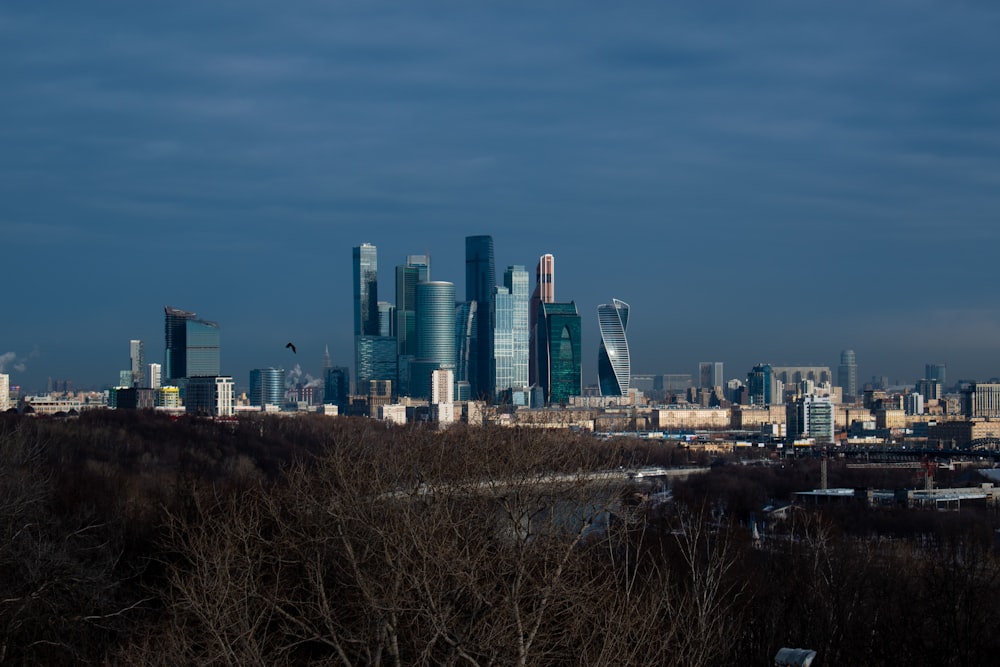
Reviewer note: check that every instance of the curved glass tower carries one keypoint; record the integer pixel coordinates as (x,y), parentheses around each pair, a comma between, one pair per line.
(614,367)
(435,326)
(267,386)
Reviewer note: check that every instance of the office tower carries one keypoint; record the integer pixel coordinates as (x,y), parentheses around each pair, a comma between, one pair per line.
(711,375)
(202,358)
(545,292)
(386,319)
(847,374)
(192,345)
(480,279)
(515,279)
(125,378)
(812,417)
(4,392)
(416,270)
(503,341)
(614,367)
(154,375)
(175,337)
(466,336)
(435,328)
(422,263)
(376,359)
(560,372)
(209,396)
(929,389)
(913,403)
(137,356)
(981,399)
(442,400)
(761,385)
(337,387)
(364,274)
(936,372)
(267,386)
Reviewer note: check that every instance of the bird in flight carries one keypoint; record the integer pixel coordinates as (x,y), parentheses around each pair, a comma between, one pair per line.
(292,347)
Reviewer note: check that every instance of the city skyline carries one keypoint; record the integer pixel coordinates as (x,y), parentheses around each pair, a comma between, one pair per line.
(837,163)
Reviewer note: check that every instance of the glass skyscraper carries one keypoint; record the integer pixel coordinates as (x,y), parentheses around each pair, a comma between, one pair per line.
(614,367)
(559,363)
(510,331)
(435,327)
(465,338)
(364,273)
(480,280)
(847,374)
(137,358)
(192,346)
(267,386)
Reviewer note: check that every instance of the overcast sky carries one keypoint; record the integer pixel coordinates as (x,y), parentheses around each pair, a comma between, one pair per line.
(762,181)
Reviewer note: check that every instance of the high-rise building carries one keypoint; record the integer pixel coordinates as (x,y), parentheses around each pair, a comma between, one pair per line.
(480,279)
(762,386)
(435,327)
(936,372)
(515,279)
(202,357)
(614,366)
(466,336)
(981,399)
(267,386)
(191,346)
(847,374)
(153,374)
(560,373)
(545,292)
(386,319)
(376,360)
(710,375)
(929,389)
(337,387)
(503,341)
(4,392)
(364,274)
(175,337)
(210,396)
(812,417)
(137,357)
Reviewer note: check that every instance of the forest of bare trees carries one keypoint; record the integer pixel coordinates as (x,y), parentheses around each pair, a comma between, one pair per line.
(135,539)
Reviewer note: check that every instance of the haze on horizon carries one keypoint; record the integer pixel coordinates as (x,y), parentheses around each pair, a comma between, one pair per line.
(762,182)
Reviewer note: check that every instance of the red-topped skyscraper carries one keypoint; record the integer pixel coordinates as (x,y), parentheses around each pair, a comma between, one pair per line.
(545,292)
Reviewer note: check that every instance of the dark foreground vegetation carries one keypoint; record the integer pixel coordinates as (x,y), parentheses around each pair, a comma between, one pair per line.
(134,539)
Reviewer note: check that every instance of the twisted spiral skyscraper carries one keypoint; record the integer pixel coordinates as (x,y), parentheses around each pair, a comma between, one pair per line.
(614,367)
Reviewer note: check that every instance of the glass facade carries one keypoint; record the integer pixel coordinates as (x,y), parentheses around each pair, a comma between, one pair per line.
(559,363)
(480,280)
(435,328)
(202,358)
(337,387)
(465,339)
(503,340)
(364,272)
(267,386)
(515,279)
(376,360)
(175,338)
(614,366)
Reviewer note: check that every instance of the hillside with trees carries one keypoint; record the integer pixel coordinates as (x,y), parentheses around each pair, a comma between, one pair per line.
(131,538)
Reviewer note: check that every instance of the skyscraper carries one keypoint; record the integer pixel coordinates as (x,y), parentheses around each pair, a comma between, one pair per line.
(191,346)
(154,375)
(936,372)
(515,279)
(503,341)
(364,273)
(761,385)
(710,375)
(480,279)
(435,327)
(847,374)
(175,347)
(614,367)
(466,336)
(560,372)
(337,387)
(545,292)
(267,386)
(137,356)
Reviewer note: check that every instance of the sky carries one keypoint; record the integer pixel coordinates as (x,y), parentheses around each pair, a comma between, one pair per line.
(767,181)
